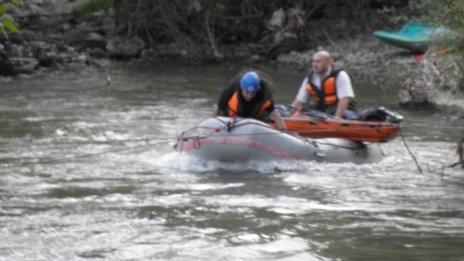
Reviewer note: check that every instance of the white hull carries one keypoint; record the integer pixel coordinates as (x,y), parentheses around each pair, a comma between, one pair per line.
(226,139)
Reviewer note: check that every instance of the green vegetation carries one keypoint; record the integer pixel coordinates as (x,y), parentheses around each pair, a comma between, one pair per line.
(6,22)
(92,6)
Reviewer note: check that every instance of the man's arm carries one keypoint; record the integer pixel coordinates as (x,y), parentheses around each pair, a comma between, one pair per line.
(280,124)
(301,97)
(297,105)
(344,93)
(341,107)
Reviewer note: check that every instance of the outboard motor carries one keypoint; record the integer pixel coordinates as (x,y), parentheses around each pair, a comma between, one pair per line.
(380,114)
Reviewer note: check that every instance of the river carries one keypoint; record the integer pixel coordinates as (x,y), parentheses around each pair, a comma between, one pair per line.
(88,172)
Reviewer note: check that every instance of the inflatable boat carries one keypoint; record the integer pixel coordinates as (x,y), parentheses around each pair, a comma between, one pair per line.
(240,139)
(373,125)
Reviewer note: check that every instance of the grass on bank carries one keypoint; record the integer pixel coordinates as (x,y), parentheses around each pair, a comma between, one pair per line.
(91,7)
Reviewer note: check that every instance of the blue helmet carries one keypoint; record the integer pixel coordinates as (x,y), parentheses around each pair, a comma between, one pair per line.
(250,82)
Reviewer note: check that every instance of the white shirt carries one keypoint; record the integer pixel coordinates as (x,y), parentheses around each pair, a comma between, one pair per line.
(343,84)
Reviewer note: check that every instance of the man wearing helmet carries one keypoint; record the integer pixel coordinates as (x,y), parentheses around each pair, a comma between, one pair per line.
(248,97)
(331,88)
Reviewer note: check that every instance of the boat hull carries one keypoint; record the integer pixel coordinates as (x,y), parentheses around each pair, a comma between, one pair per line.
(416,45)
(235,140)
(416,36)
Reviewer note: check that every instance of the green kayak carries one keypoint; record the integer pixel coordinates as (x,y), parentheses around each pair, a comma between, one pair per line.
(414,36)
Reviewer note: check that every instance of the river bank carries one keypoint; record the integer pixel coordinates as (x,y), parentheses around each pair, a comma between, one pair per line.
(53,37)
(426,82)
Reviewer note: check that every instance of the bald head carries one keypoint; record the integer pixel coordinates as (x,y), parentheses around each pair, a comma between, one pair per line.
(321,62)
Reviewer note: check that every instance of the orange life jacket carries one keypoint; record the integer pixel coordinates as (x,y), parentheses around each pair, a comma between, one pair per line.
(234,107)
(327,94)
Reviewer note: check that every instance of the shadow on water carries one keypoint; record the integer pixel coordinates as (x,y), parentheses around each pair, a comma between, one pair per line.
(17,125)
(81,192)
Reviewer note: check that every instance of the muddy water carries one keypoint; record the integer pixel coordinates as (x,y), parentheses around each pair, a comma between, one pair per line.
(87,172)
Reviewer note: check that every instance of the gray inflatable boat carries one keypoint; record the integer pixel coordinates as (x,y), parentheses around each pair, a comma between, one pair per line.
(240,139)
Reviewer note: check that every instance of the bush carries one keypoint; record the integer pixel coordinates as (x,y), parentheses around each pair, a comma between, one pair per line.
(92,6)
(6,22)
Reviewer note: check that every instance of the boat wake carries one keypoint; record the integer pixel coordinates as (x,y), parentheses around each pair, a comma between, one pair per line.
(189,163)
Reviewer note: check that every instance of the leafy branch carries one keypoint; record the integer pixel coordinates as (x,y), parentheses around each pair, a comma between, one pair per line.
(6,21)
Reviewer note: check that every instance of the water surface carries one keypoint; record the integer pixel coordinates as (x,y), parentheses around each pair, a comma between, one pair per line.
(87,172)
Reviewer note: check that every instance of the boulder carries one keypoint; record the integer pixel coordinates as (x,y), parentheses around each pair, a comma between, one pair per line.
(278,19)
(125,48)
(6,67)
(30,35)
(95,40)
(432,83)
(24,65)
(108,26)
(74,37)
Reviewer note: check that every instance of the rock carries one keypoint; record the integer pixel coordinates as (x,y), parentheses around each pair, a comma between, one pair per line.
(287,28)
(86,28)
(34,9)
(284,43)
(431,84)
(108,25)
(30,35)
(67,57)
(97,52)
(47,58)
(124,48)
(66,27)
(61,47)
(101,63)
(301,60)
(417,93)
(148,53)
(82,58)
(184,53)
(254,58)
(16,38)
(39,45)
(95,40)
(74,37)
(6,67)
(24,65)
(278,19)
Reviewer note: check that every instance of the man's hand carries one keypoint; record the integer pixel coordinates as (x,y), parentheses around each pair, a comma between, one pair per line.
(280,124)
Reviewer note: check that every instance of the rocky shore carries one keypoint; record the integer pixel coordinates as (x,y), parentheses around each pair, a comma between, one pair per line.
(428,81)
(51,36)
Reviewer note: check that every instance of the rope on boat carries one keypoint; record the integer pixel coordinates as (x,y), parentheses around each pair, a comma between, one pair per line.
(196,138)
(265,133)
(459,151)
(410,152)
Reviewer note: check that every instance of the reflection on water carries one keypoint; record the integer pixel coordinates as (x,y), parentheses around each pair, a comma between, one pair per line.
(89,173)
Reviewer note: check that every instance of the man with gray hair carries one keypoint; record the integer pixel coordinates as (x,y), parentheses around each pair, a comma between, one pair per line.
(331,89)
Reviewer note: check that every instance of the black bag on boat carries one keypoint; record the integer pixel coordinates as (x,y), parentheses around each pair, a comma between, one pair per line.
(380,114)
